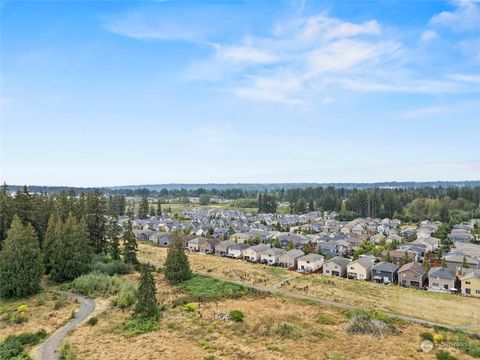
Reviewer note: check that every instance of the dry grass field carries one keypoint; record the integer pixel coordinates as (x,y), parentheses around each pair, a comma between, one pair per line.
(273,328)
(441,308)
(46,310)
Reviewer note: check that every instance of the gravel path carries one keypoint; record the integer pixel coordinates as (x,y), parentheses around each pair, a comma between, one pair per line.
(48,350)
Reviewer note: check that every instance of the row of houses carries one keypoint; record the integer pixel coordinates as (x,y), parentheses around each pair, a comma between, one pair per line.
(366,267)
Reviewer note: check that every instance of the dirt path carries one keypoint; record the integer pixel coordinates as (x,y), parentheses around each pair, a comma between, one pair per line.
(48,350)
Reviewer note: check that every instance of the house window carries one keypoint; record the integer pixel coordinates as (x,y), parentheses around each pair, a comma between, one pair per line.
(467,282)
(478,292)
(445,287)
(352,268)
(467,291)
(435,284)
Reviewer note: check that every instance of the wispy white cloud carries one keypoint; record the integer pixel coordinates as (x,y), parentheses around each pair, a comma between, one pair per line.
(425,111)
(428,36)
(465,17)
(470,78)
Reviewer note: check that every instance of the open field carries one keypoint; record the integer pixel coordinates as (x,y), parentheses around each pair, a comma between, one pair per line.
(440,308)
(46,310)
(273,328)
(178,207)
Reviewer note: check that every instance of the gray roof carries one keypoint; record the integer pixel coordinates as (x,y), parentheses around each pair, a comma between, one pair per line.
(413,266)
(294,253)
(240,246)
(311,257)
(441,272)
(365,261)
(385,266)
(340,261)
(274,251)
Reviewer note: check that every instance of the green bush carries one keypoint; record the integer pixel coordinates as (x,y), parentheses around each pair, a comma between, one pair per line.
(139,326)
(92,321)
(205,288)
(60,302)
(190,307)
(236,315)
(325,319)
(444,355)
(67,351)
(426,336)
(127,295)
(95,284)
(13,345)
(288,331)
(474,351)
(115,267)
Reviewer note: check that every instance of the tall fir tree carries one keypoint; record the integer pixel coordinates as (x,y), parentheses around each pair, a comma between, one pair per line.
(129,244)
(147,305)
(21,262)
(177,268)
(6,212)
(52,236)
(72,254)
(159,207)
(113,233)
(96,208)
(143,208)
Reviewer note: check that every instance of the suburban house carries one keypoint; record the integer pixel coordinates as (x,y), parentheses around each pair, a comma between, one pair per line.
(143,235)
(384,273)
(471,283)
(161,238)
(208,246)
(271,256)
(310,263)
(397,257)
(289,259)
(221,249)
(360,269)
(441,279)
(412,275)
(194,244)
(241,238)
(431,244)
(455,259)
(336,266)
(237,251)
(254,253)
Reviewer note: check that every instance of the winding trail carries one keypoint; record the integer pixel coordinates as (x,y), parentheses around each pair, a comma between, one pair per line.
(49,349)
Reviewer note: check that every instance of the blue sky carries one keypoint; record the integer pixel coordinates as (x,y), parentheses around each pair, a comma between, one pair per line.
(110,93)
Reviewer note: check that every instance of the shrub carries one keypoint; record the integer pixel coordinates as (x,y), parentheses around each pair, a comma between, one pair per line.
(437,338)
(236,315)
(13,345)
(363,324)
(474,351)
(140,326)
(115,267)
(59,303)
(190,307)
(40,302)
(426,336)
(95,284)
(127,295)
(92,321)
(67,351)
(205,288)
(444,355)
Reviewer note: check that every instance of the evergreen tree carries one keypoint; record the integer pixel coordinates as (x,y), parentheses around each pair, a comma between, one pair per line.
(177,268)
(129,244)
(52,236)
(276,243)
(159,207)
(426,264)
(21,262)
(113,233)
(6,212)
(72,254)
(95,210)
(406,258)
(147,305)
(465,263)
(143,208)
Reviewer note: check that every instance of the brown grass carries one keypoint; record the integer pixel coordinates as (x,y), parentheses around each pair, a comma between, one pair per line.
(39,316)
(441,308)
(197,335)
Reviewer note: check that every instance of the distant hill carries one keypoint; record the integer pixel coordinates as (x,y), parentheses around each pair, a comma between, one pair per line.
(252,187)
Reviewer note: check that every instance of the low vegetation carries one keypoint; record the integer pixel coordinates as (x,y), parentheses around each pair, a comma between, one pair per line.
(12,347)
(371,323)
(205,288)
(96,284)
(68,351)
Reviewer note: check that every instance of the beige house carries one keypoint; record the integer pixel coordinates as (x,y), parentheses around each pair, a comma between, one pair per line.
(310,263)
(254,253)
(360,269)
(290,258)
(336,266)
(471,283)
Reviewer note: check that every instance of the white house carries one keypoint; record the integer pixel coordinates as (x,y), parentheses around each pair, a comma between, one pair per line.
(254,253)
(271,256)
(237,251)
(360,268)
(336,266)
(310,263)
